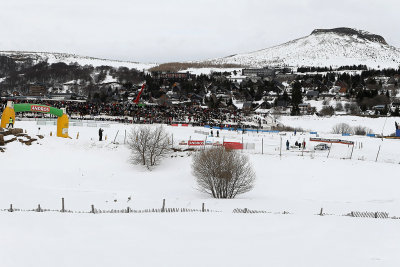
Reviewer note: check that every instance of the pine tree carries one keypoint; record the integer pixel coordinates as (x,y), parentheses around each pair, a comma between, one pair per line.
(296,98)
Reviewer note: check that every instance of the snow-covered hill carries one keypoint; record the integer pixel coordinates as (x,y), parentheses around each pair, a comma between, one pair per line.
(333,47)
(71,58)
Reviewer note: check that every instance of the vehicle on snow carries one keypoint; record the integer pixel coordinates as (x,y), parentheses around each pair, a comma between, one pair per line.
(321,147)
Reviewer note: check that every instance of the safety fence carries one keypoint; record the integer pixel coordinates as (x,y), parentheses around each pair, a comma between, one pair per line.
(366,214)
(75,123)
(164,209)
(358,214)
(94,210)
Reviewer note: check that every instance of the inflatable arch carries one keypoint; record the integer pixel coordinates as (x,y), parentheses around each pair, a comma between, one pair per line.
(11,109)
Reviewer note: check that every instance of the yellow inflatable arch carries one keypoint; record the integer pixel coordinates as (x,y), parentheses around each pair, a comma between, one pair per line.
(11,109)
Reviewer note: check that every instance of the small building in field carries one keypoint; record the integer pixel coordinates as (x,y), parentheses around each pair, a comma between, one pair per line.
(263,72)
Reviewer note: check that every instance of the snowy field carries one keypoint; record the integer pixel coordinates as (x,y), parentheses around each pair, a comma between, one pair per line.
(325,124)
(291,185)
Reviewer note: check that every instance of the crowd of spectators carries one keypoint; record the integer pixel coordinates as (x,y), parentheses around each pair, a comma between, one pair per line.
(132,113)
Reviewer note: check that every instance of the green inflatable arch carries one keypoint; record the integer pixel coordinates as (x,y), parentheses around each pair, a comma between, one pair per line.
(38,108)
(9,115)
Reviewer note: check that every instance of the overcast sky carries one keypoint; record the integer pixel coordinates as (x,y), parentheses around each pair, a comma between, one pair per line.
(181,30)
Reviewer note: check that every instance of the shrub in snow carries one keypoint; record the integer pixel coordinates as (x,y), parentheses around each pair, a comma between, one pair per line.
(354,109)
(342,128)
(361,130)
(148,145)
(327,111)
(339,106)
(222,173)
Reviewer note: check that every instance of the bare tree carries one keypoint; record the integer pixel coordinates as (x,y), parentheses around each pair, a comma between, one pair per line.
(339,106)
(361,130)
(148,145)
(327,111)
(221,173)
(342,128)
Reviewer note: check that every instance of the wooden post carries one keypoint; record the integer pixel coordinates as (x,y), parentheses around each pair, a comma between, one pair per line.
(280,148)
(351,155)
(92,209)
(377,154)
(163,206)
(11,208)
(115,138)
(128,210)
(62,205)
(125,137)
(329,150)
(172,143)
(77,135)
(321,213)
(39,209)
(202,207)
(262,146)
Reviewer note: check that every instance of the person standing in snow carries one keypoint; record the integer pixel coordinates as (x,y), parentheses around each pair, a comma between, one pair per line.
(217,133)
(287,144)
(10,123)
(101,134)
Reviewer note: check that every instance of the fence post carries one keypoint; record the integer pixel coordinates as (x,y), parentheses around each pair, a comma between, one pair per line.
(39,209)
(351,155)
(62,205)
(92,209)
(128,210)
(11,208)
(377,154)
(125,137)
(163,206)
(115,138)
(262,146)
(202,207)
(329,150)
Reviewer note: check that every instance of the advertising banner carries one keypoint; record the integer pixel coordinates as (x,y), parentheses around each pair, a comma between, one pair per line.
(196,143)
(233,145)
